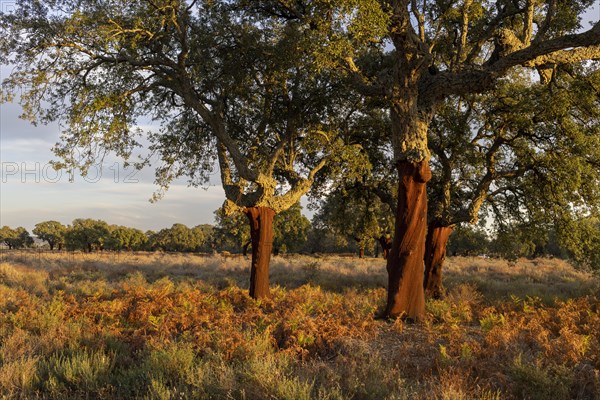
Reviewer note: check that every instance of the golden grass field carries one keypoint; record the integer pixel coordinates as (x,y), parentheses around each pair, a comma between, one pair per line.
(178,326)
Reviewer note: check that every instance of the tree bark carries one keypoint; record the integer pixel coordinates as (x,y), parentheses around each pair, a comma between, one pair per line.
(406,297)
(361,247)
(386,245)
(435,254)
(245,248)
(261,236)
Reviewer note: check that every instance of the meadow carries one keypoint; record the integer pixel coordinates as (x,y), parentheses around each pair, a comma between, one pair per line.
(178,326)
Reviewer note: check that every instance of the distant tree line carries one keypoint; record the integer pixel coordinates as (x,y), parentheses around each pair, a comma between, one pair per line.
(329,232)
(581,245)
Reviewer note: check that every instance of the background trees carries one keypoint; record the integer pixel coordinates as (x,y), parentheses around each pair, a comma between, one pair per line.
(224,82)
(15,238)
(356,214)
(178,238)
(125,238)
(52,232)
(290,231)
(87,234)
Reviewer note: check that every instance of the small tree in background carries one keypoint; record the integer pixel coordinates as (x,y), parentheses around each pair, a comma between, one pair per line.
(125,238)
(87,234)
(231,232)
(357,214)
(15,238)
(52,232)
(178,238)
(290,230)
(8,236)
(468,240)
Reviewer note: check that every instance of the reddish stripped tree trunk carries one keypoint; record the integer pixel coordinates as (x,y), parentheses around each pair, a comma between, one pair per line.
(261,236)
(435,254)
(406,297)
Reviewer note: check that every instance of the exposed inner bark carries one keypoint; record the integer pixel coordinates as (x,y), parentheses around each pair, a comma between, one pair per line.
(406,297)
(435,254)
(261,236)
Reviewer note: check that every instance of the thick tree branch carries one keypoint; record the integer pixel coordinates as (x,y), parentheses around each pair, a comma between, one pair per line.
(584,46)
(360,83)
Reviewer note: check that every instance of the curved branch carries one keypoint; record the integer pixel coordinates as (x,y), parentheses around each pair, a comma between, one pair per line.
(583,46)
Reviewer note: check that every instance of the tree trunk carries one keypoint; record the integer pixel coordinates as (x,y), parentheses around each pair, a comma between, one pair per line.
(435,254)
(51,244)
(361,247)
(386,245)
(406,297)
(261,234)
(245,248)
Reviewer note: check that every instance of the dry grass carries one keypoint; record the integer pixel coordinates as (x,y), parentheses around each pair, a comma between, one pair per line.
(173,326)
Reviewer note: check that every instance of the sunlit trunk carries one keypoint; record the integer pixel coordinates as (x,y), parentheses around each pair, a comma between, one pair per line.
(435,254)
(261,236)
(406,298)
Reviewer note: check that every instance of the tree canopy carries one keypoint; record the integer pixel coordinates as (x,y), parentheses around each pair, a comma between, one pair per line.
(17,238)
(52,232)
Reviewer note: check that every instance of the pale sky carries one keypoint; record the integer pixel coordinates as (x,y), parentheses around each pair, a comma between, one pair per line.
(31,191)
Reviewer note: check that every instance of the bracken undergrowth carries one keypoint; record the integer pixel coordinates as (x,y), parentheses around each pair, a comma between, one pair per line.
(172,326)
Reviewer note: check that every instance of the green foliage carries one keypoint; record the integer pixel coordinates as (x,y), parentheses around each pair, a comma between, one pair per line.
(15,238)
(290,230)
(324,240)
(75,372)
(225,82)
(125,238)
(510,244)
(581,238)
(52,232)
(178,238)
(232,231)
(467,240)
(356,214)
(538,382)
(87,234)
